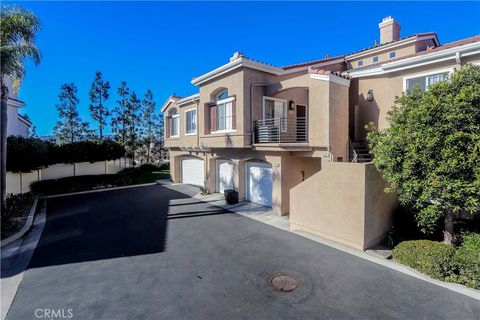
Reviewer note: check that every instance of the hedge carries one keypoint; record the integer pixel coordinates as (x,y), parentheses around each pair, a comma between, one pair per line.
(27,154)
(466,261)
(430,257)
(443,262)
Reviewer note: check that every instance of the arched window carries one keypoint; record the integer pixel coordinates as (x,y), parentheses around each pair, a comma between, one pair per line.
(222,95)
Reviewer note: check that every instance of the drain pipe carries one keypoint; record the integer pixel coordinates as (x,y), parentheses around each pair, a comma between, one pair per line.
(252,86)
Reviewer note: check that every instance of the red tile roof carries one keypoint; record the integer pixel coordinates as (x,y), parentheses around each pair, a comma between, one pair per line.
(310,63)
(313,70)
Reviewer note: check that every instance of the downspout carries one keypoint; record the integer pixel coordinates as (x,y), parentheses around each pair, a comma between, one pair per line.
(253,85)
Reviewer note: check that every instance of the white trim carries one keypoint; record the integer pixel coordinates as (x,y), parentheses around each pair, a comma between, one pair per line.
(224,131)
(425,74)
(188,99)
(246,63)
(331,78)
(15,103)
(166,104)
(229,99)
(390,46)
(312,64)
(420,60)
(196,121)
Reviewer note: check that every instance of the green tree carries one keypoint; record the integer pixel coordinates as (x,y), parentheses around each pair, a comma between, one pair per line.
(430,154)
(119,120)
(99,93)
(69,127)
(150,123)
(18,28)
(133,124)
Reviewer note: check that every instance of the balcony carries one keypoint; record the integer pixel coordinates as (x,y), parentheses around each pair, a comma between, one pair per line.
(283,130)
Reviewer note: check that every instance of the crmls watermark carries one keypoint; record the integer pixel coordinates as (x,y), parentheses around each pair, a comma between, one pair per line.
(47,313)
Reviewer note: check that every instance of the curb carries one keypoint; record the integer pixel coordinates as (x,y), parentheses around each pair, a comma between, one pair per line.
(26,227)
(99,190)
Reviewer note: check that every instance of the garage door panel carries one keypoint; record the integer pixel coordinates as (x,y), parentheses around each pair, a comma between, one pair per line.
(193,171)
(224,175)
(259,183)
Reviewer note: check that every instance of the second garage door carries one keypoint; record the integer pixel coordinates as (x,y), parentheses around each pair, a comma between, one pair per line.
(259,183)
(224,175)
(193,171)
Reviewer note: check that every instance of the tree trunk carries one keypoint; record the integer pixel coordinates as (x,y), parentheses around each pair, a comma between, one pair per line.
(3,149)
(448,232)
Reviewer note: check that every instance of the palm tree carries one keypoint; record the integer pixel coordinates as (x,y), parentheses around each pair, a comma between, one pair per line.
(18,28)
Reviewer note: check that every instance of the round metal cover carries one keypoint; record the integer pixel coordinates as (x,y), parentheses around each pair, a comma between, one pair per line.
(283,282)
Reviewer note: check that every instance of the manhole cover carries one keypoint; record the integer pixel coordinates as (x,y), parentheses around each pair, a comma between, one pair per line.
(283,282)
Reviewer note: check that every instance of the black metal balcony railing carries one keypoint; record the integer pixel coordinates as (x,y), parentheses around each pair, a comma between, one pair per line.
(281,130)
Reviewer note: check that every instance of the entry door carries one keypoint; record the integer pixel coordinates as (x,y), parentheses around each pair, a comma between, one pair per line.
(259,183)
(224,175)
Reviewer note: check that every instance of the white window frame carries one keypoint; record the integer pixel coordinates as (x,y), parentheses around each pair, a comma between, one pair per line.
(390,54)
(176,116)
(373,59)
(283,125)
(195,119)
(426,74)
(222,102)
(360,63)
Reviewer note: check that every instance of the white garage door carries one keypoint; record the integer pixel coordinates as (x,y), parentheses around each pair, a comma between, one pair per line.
(224,175)
(259,183)
(193,171)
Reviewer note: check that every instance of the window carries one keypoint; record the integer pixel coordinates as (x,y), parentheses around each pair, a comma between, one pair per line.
(222,95)
(275,109)
(375,59)
(360,63)
(392,54)
(175,120)
(424,82)
(224,115)
(191,121)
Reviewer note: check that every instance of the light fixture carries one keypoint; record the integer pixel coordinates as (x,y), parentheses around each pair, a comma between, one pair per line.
(370,95)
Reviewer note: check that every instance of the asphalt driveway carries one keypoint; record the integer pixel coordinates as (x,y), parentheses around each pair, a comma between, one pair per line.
(155,253)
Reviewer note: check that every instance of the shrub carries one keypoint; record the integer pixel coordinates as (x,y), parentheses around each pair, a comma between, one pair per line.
(466,261)
(430,257)
(27,154)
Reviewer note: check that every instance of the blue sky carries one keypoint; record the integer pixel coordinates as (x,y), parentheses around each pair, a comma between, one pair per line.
(163,45)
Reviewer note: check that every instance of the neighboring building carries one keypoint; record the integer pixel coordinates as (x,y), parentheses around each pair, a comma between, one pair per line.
(264,130)
(18,125)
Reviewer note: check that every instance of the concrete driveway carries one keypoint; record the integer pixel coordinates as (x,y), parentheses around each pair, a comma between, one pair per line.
(155,253)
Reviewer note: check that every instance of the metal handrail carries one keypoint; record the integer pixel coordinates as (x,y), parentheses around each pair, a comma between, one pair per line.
(355,155)
(281,130)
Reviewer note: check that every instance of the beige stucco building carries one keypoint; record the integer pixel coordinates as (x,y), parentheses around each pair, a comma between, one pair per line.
(276,134)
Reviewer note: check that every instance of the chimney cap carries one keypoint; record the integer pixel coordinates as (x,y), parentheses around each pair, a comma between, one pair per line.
(387,18)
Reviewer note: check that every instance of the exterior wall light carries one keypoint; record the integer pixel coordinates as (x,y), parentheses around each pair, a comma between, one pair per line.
(370,95)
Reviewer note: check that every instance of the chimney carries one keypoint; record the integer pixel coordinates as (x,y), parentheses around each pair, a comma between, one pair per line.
(237,55)
(389,30)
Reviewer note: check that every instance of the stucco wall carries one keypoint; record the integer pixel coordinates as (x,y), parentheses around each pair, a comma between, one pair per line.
(346,203)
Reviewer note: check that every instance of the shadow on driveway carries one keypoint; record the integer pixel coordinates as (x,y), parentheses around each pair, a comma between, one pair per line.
(111,224)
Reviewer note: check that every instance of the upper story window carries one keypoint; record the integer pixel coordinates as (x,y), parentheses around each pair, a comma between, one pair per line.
(222,95)
(360,63)
(375,59)
(191,121)
(222,114)
(275,110)
(392,54)
(424,81)
(175,124)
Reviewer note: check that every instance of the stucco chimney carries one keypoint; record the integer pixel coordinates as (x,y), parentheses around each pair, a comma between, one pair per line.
(236,55)
(389,30)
